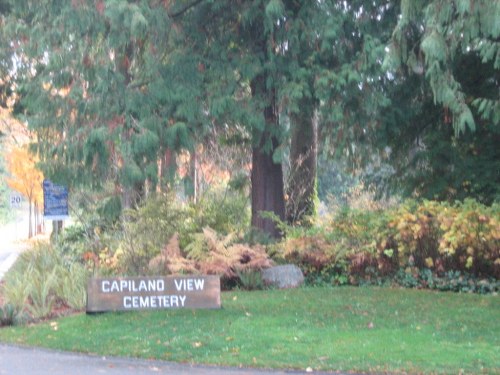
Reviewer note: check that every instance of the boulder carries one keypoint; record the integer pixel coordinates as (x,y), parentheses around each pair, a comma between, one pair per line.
(283,277)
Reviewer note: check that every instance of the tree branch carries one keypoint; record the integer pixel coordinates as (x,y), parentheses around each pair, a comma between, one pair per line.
(183,10)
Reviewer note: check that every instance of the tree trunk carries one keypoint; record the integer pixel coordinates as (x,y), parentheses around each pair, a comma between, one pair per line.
(30,230)
(267,192)
(193,173)
(301,185)
(267,176)
(167,170)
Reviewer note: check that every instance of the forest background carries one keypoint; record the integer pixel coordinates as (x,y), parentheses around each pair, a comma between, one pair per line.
(224,136)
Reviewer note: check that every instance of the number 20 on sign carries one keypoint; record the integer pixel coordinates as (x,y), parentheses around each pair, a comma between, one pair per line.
(15,200)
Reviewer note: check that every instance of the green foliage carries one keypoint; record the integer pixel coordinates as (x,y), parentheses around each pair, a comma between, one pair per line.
(110,209)
(445,33)
(8,315)
(418,144)
(42,279)
(74,241)
(451,281)
(250,280)
(223,210)
(109,98)
(71,285)
(147,230)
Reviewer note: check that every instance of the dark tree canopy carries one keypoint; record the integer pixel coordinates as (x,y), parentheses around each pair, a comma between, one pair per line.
(114,89)
(444,122)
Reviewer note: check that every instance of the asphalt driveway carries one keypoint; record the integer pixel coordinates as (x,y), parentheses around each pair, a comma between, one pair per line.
(16,360)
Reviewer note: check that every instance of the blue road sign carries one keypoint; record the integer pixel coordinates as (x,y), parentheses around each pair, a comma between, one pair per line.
(55,201)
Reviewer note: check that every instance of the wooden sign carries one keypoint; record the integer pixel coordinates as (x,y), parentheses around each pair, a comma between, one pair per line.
(150,293)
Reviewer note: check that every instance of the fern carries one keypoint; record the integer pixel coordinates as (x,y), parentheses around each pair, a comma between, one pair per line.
(171,260)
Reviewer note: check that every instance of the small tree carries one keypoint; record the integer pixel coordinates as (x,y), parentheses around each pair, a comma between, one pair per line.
(26,178)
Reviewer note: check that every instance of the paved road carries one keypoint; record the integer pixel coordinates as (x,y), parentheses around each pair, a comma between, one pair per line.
(12,236)
(28,361)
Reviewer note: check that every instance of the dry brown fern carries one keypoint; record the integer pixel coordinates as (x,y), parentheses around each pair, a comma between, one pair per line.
(222,258)
(171,260)
(228,259)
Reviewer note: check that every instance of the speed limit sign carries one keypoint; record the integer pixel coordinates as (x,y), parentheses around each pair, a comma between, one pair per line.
(16,200)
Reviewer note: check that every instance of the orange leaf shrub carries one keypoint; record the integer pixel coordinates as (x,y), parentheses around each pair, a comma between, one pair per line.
(432,235)
(464,236)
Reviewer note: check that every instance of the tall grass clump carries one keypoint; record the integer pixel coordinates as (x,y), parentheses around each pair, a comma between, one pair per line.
(42,281)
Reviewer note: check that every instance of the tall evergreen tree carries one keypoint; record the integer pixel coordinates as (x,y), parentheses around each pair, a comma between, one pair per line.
(434,37)
(291,59)
(443,126)
(103,89)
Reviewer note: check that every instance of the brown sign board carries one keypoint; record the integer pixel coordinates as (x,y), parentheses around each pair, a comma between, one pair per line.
(151,293)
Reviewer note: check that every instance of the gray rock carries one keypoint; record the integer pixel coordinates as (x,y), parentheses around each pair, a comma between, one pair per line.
(283,277)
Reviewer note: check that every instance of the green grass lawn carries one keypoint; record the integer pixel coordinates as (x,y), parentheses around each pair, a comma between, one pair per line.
(344,329)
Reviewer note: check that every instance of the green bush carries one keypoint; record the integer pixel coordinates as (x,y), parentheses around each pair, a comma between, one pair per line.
(75,240)
(334,250)
(451,281)
(250,280)
(8,315)
(147,230)
(225,211)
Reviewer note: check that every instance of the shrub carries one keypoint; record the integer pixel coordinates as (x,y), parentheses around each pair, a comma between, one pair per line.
(338,248)
(147,230)
(414,233)
(212,254)
(42,279)
(223,210)
(471,236)
(8,315)
(359,246)
(250,280)
(462,237)
(451,281)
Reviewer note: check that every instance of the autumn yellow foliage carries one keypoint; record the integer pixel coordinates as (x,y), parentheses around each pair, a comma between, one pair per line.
(25,177)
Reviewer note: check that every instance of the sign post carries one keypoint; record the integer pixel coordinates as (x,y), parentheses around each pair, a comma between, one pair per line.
(152,293)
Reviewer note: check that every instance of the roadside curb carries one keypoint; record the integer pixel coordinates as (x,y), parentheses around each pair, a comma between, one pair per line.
(7,263)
